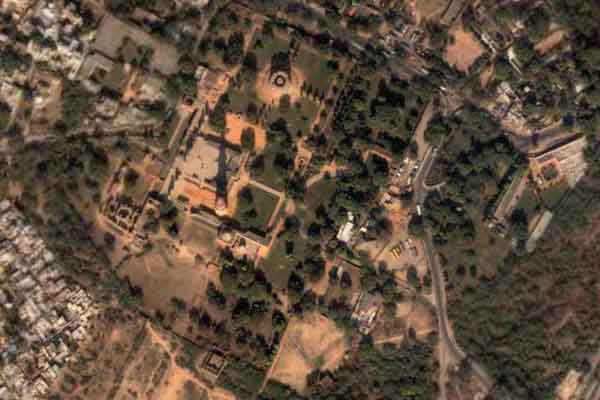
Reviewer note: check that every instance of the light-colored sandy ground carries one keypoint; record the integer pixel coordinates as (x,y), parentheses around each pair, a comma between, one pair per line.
(550,42)
(422,320)
(163,275)
(404,309)
(148,366)
(569,385)
(310,343)
(426,9)
(486,76)
(292,370)
(270,94)
(171,387)
(465,49)
(129,92)
(236,125)
(101,358)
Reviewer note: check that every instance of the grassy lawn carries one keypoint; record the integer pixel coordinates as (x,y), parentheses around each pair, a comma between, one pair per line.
(487,252)
(278,266)
(299,119)
(271,176)
(240,99)
(314,66)
(529,202)
(552,196)
(265,46)
(263,204)
(320,193)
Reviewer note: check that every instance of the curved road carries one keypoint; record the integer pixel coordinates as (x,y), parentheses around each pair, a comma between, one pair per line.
(448,343)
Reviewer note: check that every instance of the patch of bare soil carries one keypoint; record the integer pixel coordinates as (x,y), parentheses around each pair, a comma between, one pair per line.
(486,76)
(174,382)
(422,10)
(550,42)
(236,125)
(310,343)
(163,275)
(465,49)
(568,387)
(96,370)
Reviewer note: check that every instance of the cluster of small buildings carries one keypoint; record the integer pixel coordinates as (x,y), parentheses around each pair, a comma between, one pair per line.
(57,35)
(365,311)
(508,108)
(44,313)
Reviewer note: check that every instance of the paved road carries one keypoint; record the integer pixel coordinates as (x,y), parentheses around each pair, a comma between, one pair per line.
(448,343)
(422,174)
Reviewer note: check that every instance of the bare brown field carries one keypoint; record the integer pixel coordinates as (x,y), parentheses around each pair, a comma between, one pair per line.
(486,76)
(204,196)
(154,374)
(569,386)
(409,314)
(145,371)
(426,9)
(422,320)
(198,239)
(163,275)
(236,125)
(270,94)
(310,343)
(465,49)
(550,42)
(292,369)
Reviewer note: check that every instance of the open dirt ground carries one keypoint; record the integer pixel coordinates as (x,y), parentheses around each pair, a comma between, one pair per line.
(550,41)
(163,275)
(486,76)
(409,314)
(154,374)
(198,239)
(309,343)
(465,49)
(426,9)
(98,365)
(145,371)
(235,127)
(421,319)
(569,385)
(270,94)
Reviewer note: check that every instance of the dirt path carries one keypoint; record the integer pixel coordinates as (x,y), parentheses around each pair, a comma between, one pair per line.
(332,169)
(391,339)
(550,41)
